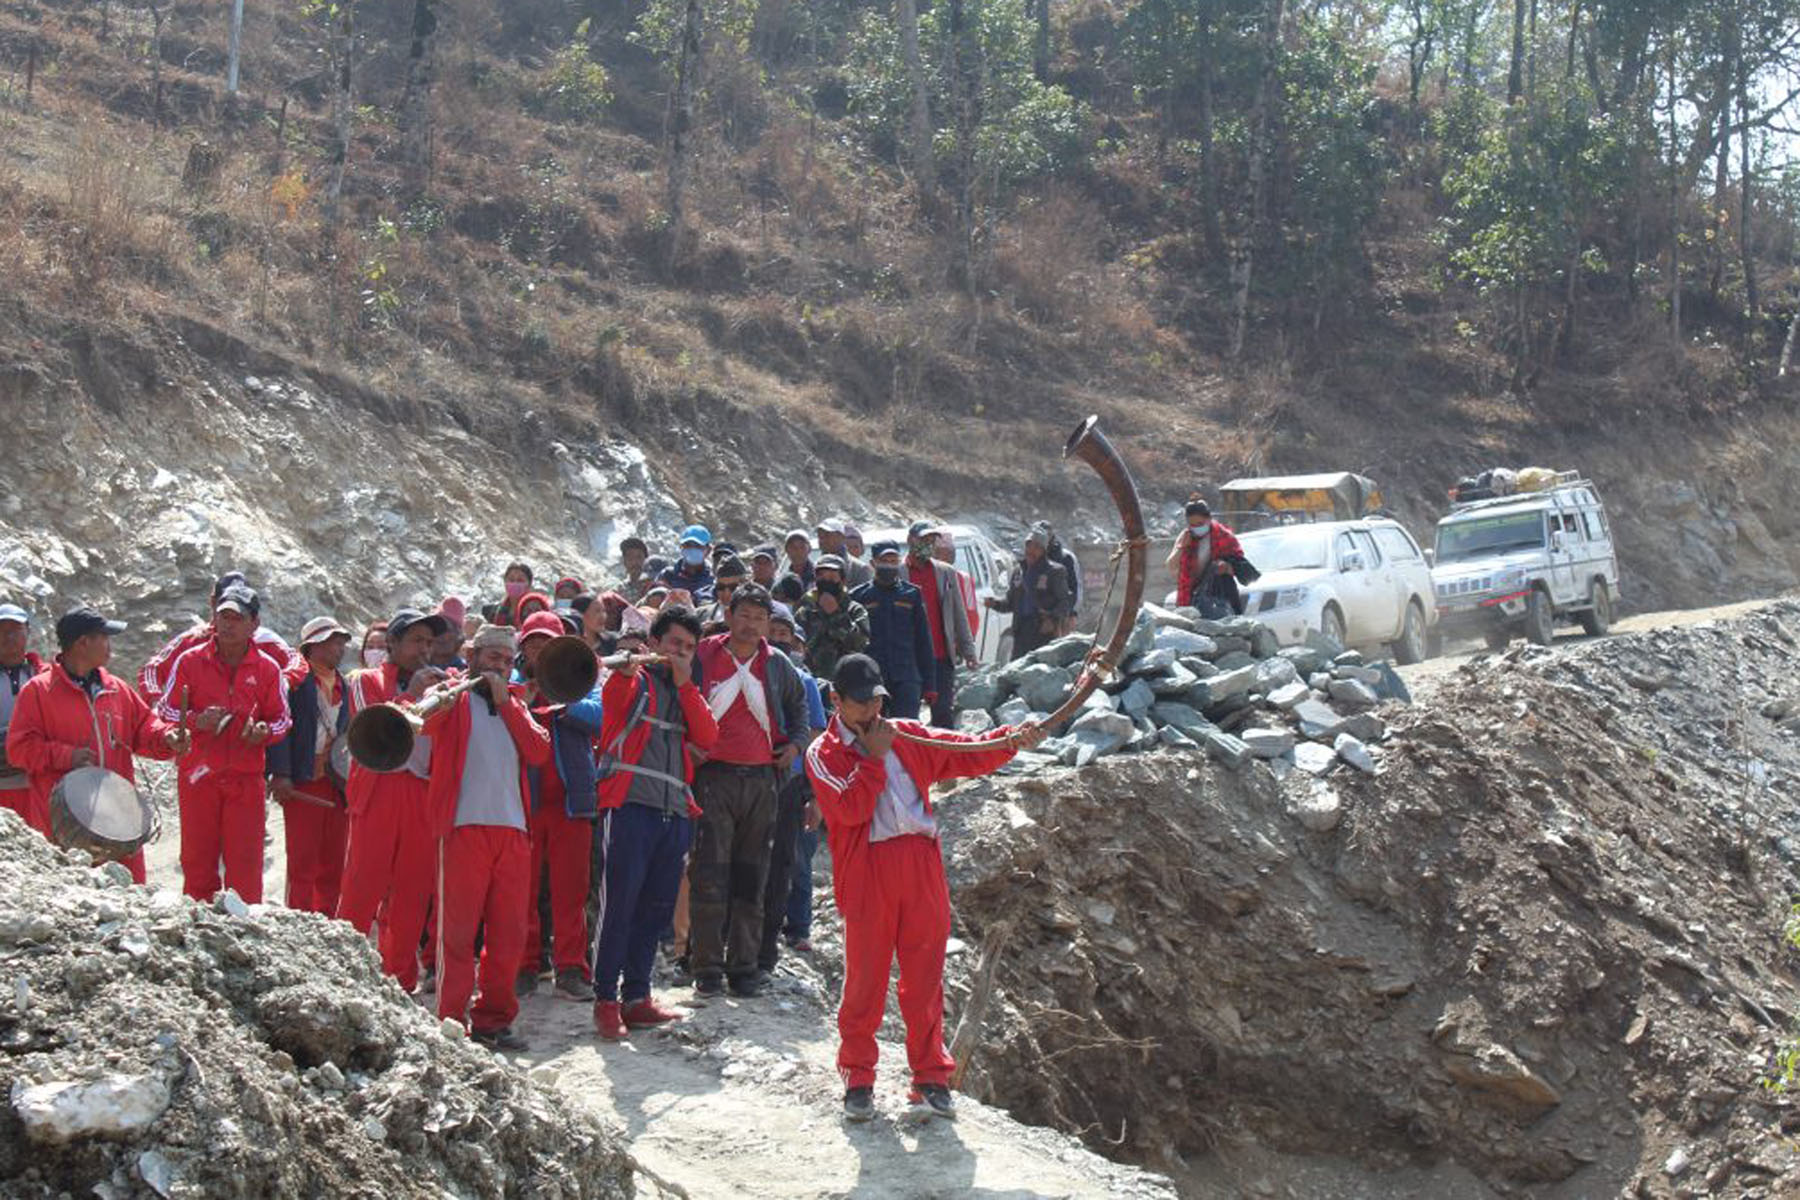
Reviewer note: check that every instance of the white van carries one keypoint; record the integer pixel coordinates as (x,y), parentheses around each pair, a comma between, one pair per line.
(990,568)
(1361,583)
(1525,562)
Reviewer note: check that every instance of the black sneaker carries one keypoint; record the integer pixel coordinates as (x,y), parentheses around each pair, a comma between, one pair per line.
(683,974)
(934,1099)
(500,1039)
(571,986)
(750,986)
(527,983)
(712,985)
(427,983)
(859,1104)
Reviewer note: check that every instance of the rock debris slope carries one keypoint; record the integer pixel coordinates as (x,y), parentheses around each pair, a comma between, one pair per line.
(153,1046)
(1542,944)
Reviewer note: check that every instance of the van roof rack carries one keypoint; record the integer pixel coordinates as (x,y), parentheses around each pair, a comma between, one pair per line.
(1564,481)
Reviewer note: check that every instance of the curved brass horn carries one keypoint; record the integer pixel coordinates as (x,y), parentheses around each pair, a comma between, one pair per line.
(566,669)
(381,736)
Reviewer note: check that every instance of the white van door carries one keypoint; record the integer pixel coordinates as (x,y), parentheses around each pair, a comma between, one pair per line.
(1568,549)
(1358,589)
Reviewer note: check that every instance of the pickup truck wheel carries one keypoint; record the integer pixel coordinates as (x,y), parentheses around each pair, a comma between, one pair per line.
(1331,624)
(1540,619)
(1598,619)
(1411,646)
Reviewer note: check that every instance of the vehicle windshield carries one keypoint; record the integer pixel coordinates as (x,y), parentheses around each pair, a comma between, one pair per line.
(1478,537)
(1294,548)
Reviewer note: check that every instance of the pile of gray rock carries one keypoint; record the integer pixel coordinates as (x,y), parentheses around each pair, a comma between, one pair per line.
(1223,687)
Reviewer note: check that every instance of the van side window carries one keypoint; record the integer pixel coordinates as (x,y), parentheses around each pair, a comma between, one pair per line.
(1396,545)
(1592,520)
(1346,546)
(1366,544)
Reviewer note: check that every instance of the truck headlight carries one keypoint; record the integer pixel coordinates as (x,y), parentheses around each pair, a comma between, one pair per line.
(1291,597)
(1512,579)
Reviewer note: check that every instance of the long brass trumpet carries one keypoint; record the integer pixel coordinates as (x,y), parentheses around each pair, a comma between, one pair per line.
(381,736)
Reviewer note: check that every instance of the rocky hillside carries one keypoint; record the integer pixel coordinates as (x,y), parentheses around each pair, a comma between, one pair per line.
(1540,953)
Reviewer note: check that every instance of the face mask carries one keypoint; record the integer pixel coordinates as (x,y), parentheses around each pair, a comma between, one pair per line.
(515,589)
(920,550)
(373,657)
(1202,527)
(693,556)
(887,576)
(830,588)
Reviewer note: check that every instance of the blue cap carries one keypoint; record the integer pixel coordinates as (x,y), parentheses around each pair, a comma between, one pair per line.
(700,535)
(12,612)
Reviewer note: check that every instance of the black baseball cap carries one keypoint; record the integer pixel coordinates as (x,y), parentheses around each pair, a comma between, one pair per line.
(239,598)
(920,529)
(881,548)
(766,550)
(731,567)
(228,580)
(1198,508)
(77,623)
(406,618)
(858,677)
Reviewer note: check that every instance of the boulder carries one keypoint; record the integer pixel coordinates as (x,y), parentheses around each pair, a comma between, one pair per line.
(1013,712)
(981,690)
(974,720)
(1225,747)
(1085,745)
(1267,743)
(1306,660)
(1314,758)
(1232,645)
(1287,697)
(1237,660)
(1208,693)
(1327,647)
(1143,636)
(1355,753)
(114,1105)
(1172,737)
(1349,658)
(1043,686)
(1365,726)
(1316,806)
(1137,698)
(1318,719)
(1176,682)
(1185,641)
(1238,627)
(1115,725)
(1352,691)
(1368,675)
(1180,716)
(1264,643)
(1201,668)
(1154,662)
(1272,674)
(1099,701)
(1063,652)
(1171,618)
(1391,687)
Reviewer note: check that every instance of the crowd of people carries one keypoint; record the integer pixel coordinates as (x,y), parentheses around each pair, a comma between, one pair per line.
(742,701)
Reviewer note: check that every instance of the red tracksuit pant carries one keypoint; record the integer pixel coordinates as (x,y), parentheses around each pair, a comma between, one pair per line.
(899,908)
(483,883)
(222,817)
(390,866)
(317,829)
(564,842)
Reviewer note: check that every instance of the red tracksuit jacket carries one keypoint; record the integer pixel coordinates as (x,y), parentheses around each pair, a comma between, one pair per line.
(254,690)
(53,718)
(847,784)
(448,730)
(1224,545)
(618,698)
(153,680)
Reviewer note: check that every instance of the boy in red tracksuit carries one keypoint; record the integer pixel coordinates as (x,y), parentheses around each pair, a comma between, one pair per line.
(236,704)
(390,863)
(78,714)
(888,875)
(481,746)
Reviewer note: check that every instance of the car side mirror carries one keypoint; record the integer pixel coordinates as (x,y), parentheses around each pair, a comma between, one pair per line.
(1430,557)
(1556,540)
(1352,562)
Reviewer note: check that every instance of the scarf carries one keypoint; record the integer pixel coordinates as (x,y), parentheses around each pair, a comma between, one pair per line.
(743,682)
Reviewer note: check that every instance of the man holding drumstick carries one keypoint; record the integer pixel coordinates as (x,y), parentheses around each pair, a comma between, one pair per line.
(78,714)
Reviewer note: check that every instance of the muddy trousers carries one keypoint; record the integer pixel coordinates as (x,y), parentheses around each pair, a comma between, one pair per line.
(565,843)
(390,867)
(729,868)
(317,828)
(484,882)
(644,849)
(790,813)
(897,906)
(223,817)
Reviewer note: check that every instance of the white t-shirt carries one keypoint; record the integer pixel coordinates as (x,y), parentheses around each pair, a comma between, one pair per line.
(490,776)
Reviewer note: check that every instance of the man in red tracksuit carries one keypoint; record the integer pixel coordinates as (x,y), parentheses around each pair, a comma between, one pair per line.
(481,746)
(888,875)
(563,811)
(153,680)
(78,714)
(236,703)
(390,864)
(17,666)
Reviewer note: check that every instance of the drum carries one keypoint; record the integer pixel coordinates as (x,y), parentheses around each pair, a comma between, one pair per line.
(97,810)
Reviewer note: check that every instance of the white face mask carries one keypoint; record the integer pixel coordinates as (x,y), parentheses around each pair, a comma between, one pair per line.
(1202,527)
(373,657)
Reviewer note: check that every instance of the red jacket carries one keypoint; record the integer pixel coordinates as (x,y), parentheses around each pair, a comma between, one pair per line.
(847,783)
(54,717)
(448,729)
(1224,545)
(153,680)
(254,690)
(617,700)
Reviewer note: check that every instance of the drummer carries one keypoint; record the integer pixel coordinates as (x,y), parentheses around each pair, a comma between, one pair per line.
(235,701)
(17,666)
(78,714)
